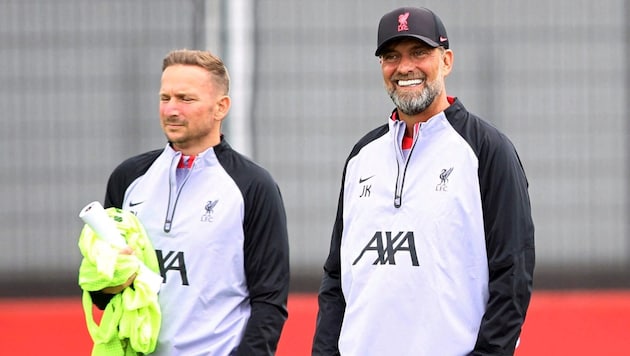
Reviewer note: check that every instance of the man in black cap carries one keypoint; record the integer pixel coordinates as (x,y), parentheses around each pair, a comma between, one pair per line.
(432,250)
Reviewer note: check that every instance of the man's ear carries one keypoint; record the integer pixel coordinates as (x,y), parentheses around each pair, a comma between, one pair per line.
(222,107)
(447,61)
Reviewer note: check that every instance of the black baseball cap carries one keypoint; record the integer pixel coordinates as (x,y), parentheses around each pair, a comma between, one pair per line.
(418,23)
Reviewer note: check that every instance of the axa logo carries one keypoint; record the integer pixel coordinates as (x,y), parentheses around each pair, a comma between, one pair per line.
(442,186)
(209,208)
(384,246)
(173,261)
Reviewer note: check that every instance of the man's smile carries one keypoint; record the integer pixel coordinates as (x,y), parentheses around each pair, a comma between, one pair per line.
(409,82)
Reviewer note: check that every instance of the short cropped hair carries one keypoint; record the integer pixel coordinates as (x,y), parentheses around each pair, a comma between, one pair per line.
(203,59)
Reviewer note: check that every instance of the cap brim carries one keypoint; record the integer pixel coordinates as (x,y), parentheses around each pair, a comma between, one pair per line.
(386,43)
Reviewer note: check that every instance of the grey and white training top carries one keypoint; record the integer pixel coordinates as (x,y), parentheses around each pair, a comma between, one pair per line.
(432,250)
(221,240)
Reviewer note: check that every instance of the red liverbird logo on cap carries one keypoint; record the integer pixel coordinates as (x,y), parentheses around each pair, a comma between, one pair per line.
(402,22)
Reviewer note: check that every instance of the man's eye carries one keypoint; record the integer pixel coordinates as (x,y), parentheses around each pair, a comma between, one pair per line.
(390,57)
(420,53)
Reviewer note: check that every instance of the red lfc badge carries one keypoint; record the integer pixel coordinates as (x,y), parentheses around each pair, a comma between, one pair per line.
(402,22)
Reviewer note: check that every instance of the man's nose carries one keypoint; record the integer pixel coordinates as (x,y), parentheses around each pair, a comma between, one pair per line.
(406,65)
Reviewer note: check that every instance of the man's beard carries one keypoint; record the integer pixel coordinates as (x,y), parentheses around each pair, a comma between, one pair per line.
(413,103)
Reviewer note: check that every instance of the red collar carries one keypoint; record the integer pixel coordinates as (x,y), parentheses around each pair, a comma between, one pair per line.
(186,161)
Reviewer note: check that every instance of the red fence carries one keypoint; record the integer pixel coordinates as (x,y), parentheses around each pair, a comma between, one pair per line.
(558,323)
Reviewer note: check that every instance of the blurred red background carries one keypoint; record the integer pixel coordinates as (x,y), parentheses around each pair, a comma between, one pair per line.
(558,323)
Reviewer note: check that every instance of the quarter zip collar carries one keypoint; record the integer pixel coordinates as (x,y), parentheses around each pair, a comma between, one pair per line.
(398,129)
(204,159)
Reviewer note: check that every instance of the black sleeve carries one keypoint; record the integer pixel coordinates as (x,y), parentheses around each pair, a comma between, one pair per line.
(266,267)
(510,247)
(101,299)
(332,303)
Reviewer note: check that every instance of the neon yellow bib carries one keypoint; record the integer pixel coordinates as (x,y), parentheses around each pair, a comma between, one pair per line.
(131,321)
